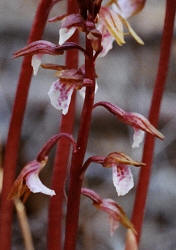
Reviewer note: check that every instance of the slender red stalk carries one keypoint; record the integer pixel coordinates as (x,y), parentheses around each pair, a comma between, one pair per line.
(55,214)
(78,157)
(144,178)
(12,146)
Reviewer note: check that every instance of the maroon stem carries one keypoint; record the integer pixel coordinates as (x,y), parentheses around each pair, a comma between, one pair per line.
(55,213)
(96,159)
(142,188)
(78,157)
(12,146)
(50,144)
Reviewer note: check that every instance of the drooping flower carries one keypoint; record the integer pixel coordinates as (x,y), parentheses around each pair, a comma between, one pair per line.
(121,173)
(111,208)
(28,181)
(61,90)
(39,48)
(139,123)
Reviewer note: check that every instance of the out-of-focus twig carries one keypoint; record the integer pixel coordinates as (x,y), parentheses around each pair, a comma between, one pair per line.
(25,229)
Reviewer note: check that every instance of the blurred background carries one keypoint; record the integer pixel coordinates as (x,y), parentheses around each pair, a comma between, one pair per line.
(126,78)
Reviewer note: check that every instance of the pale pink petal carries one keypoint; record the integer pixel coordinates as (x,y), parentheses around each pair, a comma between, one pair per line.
(128,8)
(114,224)
(82,91)
(60,96)
(65,34)
(138,137)
(107,39)
(107,42)
(122,179)
(36,62)
(36,186)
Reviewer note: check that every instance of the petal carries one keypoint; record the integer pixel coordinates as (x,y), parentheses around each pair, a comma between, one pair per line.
(106,43)
(138,137)
(129,8)
(122,179)
(36,62)
(113,24)
(65,34)
(36,186)
(114,224)
(82,91)
(60,96)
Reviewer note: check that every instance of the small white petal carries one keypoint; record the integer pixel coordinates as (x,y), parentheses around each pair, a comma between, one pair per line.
(60,96)
(138,137)
(36,62)
(36,186)
(122,179)
(65,34)
(82,91)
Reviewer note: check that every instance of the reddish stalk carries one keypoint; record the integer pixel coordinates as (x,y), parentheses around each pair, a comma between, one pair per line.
(78,157)
(12,146)
(144,178)
(55,214)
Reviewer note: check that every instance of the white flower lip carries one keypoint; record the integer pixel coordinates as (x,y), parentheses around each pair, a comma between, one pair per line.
(36,62)
(138,137)
(36,186)
(122,179)
(60,96)
(65,34)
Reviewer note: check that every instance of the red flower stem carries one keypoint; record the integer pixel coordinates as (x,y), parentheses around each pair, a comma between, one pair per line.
(52,141)
(12,146)
(55,213)
(96,159)
(144,178)
(78,157)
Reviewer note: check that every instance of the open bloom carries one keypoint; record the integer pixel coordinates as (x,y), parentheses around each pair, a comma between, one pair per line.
(111,208)
(110,23)
(61,90)
(28,181)
(121,173)
(139,123)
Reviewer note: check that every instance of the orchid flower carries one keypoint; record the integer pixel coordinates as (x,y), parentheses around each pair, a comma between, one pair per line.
(39,48)
(28,181)
(121,173)
(139,123)
(61,90)
(111,20)
(111,208)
